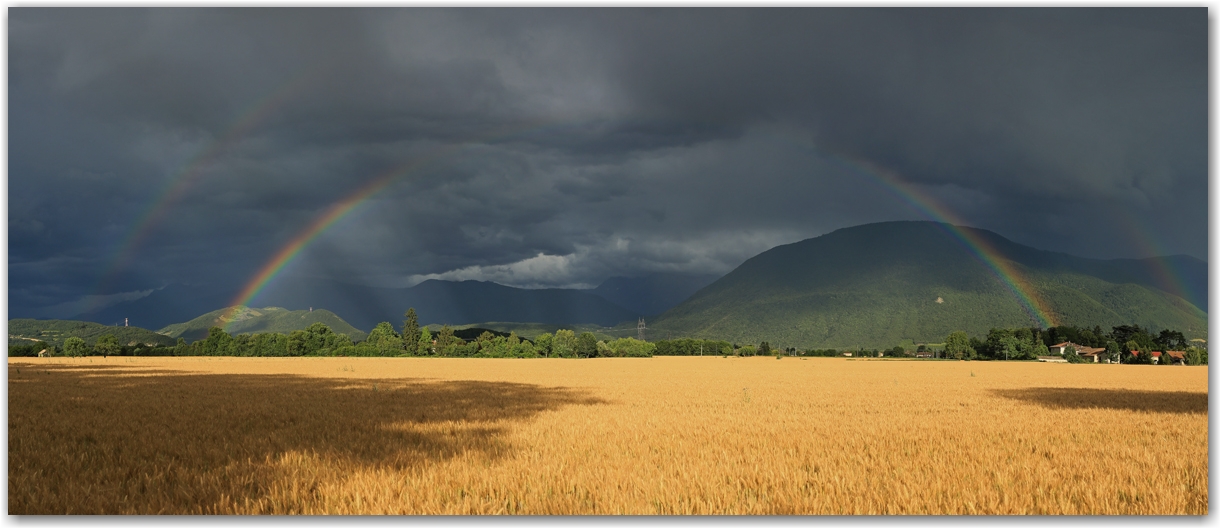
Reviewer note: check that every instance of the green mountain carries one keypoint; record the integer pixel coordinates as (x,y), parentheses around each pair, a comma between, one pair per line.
(56,331)
(877,285)
(246,320)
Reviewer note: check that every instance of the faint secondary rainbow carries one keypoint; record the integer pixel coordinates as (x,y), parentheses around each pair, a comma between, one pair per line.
(1005,270)
(177,185)
(337,211)
(1164,275)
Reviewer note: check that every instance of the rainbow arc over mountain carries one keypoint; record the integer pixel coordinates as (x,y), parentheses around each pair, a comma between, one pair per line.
(1008,273)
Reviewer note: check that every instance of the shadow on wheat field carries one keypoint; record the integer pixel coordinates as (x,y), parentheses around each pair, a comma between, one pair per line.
(105,439)
(1118,399)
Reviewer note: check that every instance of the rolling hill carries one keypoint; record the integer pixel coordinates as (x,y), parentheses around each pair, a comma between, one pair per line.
(56,331)
(879,284)
(258,321)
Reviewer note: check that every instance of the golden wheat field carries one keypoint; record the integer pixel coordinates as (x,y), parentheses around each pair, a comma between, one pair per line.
(663,435)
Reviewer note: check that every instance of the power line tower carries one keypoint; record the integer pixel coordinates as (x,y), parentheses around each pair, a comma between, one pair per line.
(639,327)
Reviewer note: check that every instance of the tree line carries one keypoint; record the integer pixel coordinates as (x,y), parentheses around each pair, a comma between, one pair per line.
(383,341)
(416,341)
(1029,343)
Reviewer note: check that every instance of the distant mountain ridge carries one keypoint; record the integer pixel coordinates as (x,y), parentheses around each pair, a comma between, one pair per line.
(652,294)
(245,320)
(452,303)
(877,285)
(476,301)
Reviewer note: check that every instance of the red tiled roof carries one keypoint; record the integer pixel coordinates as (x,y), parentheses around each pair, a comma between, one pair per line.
(1154,353)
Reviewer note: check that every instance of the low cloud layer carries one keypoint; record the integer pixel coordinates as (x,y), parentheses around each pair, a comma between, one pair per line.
(559,147)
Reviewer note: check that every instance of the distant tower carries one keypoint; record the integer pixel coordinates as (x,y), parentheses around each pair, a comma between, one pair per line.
(124,321)
(310,309)
(640,328)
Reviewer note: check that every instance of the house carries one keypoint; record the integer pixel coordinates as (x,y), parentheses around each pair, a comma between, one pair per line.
(1095,355)
(1060,348)
(1176,356)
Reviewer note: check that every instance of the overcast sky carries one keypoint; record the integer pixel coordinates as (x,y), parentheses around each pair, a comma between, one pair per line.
(560,147)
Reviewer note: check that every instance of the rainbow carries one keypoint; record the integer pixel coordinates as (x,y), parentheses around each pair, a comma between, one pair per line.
(333,214)
(1165,277)
(1005,270)
(329,217)
(176,187)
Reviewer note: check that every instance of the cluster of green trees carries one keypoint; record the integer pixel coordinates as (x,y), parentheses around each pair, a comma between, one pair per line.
(319,340)
(106,345)
(28,349)
(1029,343)
(694,347)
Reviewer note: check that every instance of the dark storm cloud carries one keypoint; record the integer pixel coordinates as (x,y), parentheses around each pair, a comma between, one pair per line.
(549,147)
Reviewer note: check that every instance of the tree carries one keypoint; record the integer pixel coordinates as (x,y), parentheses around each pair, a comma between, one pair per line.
(764,349)
(898,351)
(957,346)
(1144,357)
(107,345)
(75,347)
(1040,350)
(1114,353)
(385,339)
(564,343)
(410,332)
(1009,347)
(1069,354)
(586,345)
(445,340)
(1170,340)
(425,343)
(1128,333)
(1193,356)
(218,341)
(543,344)
(316,339)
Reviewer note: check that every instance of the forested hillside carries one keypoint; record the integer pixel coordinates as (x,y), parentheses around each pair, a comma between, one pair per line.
(881,284)
(245,320)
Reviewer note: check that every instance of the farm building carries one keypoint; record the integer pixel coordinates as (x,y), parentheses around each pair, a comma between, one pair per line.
(1178,357)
